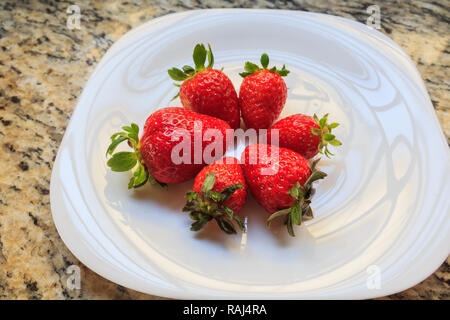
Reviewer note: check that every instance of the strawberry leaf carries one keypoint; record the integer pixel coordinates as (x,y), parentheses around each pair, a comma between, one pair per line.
(208,183)
(314,164)
(277,214)
(228,191)
(333,125)
(188,69)
(226,225)
(140,176)
(335,142)
(214,196)
(197,225)
(131,182)
(264,60)
(177,74)
(193,195)
(327,152)
(210,57)
(316,131)
(283,72)
(227,211)
(323,121)
(295,190)
(114,144)
(199,57)
(203,217)
(122,161)
(239,222)
(296,213)
(251,68)
(244,74)
(315,175)
(288,223)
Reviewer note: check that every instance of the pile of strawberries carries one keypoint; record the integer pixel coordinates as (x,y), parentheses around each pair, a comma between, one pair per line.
(220,188)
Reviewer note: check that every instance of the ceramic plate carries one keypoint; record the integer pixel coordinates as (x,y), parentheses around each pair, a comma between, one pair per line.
(382,215)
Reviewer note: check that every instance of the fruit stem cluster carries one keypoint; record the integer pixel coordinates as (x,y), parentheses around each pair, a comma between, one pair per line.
(209,205)
(324,132)
(301,209)
(126,160)
(186,72)
(251,68)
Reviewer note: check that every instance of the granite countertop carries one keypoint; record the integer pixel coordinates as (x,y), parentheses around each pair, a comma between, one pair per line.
(43,68)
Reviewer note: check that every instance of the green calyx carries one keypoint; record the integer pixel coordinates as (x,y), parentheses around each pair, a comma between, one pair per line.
(324,132)
(251,68)
(301,209)
(125,160)
(208,205)
(200,55)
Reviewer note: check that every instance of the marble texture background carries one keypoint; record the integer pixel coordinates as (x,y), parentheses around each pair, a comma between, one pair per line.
(43,68)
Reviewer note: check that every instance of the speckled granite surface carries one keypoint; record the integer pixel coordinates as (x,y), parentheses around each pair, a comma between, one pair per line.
(43,67)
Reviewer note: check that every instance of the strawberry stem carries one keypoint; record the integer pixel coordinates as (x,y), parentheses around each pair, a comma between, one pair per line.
(301,209)
(324,132)
(208,205)
(251,68)
(199,56)
(124,160)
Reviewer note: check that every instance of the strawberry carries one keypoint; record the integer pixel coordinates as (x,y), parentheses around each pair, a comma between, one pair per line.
(206,90)
(153,151)
(286,192)
(262,94)
(305,135)
(219,193)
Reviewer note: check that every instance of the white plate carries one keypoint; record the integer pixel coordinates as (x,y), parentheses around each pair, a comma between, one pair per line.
(382,215)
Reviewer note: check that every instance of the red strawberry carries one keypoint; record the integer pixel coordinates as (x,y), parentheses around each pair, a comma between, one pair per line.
(206,90)
(219,193)
(305,135)
(286,192)
(262,94)
(153,152)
